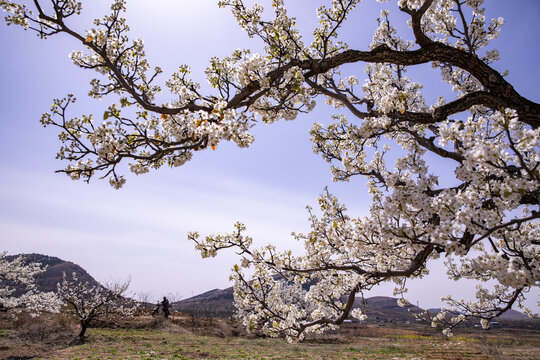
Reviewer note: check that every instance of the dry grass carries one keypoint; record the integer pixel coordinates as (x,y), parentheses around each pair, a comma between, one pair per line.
(503,347)
(25,336)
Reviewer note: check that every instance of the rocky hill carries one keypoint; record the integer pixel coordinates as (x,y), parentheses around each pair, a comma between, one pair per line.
(213,303)
(385,308)
(55,268)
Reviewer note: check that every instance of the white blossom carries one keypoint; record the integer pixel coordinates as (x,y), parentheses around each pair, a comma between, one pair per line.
(32,301)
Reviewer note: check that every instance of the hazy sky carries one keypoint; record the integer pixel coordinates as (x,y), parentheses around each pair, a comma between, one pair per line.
(140,230)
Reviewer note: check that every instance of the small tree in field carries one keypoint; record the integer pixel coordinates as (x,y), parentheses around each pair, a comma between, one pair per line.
(484,221)
(88,302)
(33,301)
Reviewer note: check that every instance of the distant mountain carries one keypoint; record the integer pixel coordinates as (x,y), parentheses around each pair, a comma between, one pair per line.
(55,268)
(508,315)
(514,315)
(219,303)
(213,303)
(386,308)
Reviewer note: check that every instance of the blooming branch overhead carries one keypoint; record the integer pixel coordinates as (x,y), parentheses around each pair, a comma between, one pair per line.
(485,223)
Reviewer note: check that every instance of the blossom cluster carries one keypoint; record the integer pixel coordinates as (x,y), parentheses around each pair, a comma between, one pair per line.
(17,272)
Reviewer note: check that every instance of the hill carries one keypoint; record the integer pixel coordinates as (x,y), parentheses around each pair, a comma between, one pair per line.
(55,268)
(219,303)
(386,309)
(213,303)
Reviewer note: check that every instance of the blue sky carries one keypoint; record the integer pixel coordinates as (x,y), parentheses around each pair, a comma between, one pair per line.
(140,231)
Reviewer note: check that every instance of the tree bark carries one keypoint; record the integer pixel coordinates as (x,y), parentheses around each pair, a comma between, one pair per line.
(84,326)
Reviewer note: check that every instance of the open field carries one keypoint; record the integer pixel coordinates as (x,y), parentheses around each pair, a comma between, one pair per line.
(145,344)
(182,338)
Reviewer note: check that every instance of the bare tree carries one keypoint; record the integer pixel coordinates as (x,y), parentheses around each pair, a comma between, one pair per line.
(146,299)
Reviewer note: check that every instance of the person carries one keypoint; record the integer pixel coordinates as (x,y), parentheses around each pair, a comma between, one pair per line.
(155,312)
(165,306)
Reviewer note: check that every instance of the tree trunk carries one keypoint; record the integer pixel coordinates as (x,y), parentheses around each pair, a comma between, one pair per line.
(84,326)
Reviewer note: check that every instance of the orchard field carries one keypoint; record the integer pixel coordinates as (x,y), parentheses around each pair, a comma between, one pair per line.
(186,338)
